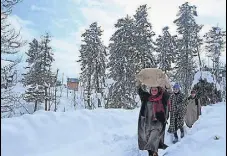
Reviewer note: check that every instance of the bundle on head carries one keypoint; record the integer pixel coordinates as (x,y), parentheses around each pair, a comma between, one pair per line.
(153,77)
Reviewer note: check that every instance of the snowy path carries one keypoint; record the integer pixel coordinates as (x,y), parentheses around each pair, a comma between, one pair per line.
(104,133)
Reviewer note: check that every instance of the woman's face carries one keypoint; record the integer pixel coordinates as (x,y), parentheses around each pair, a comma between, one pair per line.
(154,91)
(193,95)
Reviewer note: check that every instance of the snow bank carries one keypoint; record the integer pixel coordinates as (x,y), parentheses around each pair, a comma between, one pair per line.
(199,141)
(105,133)
(82,131)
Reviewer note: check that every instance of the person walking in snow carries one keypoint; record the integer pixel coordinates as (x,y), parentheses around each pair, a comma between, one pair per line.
(177,112)
(152,119)
(193,109)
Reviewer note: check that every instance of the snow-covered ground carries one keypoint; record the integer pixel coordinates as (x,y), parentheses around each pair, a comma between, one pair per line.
(103,132)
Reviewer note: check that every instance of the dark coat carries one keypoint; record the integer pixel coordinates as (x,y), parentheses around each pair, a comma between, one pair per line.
(151,133)
(177,113)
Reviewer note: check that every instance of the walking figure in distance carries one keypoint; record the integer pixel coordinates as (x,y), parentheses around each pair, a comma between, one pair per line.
(177,113)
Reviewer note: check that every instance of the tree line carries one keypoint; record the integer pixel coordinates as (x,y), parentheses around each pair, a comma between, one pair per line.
(133,47)
(108,72)
(40,80)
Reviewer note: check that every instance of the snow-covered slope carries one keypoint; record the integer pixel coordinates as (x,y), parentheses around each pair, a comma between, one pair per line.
(104,133)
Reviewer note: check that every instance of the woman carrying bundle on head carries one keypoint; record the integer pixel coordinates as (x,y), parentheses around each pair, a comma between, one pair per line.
(154,110)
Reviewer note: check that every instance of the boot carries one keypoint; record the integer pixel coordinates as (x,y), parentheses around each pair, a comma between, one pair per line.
(151,153)
(175,139)
(182,132)
(162,146)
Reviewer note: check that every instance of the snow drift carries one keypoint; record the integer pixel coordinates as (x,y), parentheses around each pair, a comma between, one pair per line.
(104,132)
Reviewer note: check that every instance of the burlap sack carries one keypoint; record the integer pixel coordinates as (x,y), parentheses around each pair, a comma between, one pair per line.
(153,77)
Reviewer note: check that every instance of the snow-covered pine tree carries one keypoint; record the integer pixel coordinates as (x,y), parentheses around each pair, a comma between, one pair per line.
(214,45)
(198,42)
(32,79)
(144,43)
(45,59)
(39,77)
(121,65)
(93,62)
(186,49)
(166,49)
(99,56)
(33,51)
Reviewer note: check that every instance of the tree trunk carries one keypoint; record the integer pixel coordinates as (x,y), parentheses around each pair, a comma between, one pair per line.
(200,62)
(49,92)
(99,103)
(98,90)
(46,98)
(89,93)
(55,99)
(36,106)
(55,92)
(187,74)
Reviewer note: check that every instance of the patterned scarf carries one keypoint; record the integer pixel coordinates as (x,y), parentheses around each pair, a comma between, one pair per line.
(157,103)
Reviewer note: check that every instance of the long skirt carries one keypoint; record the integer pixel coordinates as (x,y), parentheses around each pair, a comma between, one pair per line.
(150,133)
